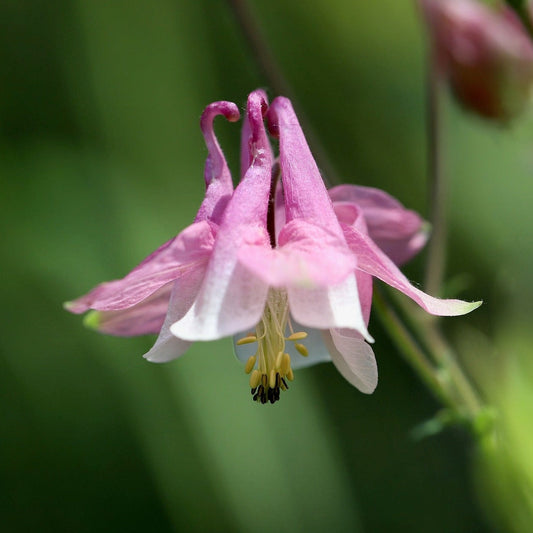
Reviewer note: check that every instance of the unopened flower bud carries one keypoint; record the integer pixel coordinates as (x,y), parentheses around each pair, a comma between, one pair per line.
(486,55)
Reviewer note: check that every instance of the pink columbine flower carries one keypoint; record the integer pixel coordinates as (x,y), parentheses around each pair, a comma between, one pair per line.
(285,269)
(485,53)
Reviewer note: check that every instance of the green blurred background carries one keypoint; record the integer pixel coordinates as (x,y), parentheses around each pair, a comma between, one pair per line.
(101,160)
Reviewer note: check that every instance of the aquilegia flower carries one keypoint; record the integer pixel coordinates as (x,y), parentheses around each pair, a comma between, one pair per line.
(279,263)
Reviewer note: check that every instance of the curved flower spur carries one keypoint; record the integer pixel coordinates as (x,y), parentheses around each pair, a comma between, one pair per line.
(281,266)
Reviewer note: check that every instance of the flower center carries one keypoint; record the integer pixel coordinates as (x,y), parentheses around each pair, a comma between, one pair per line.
(270,367)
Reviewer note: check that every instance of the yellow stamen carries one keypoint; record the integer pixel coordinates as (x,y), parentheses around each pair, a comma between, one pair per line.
(246,340)
(278,360)
(285,364)
(298,336)
(272,379)
(255,378)
(302,350)
(250,364)
(270,366)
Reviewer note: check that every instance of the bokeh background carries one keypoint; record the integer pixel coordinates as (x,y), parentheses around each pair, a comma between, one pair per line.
(101,160)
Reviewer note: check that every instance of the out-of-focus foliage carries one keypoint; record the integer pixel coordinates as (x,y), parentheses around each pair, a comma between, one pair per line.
(505,464)
(101,160)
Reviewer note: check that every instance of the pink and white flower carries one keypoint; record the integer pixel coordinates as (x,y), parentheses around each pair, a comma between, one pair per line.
(285,267)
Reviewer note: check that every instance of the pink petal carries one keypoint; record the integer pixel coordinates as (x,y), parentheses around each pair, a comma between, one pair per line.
(364,287)
(372,260)
(219,185)
(307,256)
(353,358)
(185,289)
(245,154)
(230,299)
(249,203)
(402,250)
(186,252)
(248,142)
(331,307)
(306,196)
(351,214)
(348,213)
(142,319)
(364,197)
(399,232)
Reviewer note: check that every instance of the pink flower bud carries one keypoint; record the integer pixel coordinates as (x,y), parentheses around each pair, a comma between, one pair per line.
(486,55)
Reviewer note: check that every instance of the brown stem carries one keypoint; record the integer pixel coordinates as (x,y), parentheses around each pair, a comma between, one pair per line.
(260,50)
(436,256)
(270,70)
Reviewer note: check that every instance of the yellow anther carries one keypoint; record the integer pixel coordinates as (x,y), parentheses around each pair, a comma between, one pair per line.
(290,375)
(246,340)
(285,364)
(278,360)
(282,385)
(250,364)
(302,350)
(255,378)
(272,379)
(298,336)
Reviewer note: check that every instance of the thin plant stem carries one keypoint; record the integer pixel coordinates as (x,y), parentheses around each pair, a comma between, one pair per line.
(261,52)
(444,358)
(425,349)
(272,73)
(427,327)
(409,348)
(444,355)
(436,255)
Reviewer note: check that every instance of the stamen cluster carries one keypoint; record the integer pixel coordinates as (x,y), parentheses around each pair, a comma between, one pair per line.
(270,367)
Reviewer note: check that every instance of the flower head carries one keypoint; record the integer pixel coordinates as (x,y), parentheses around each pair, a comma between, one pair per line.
(485,53)
(280,263)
